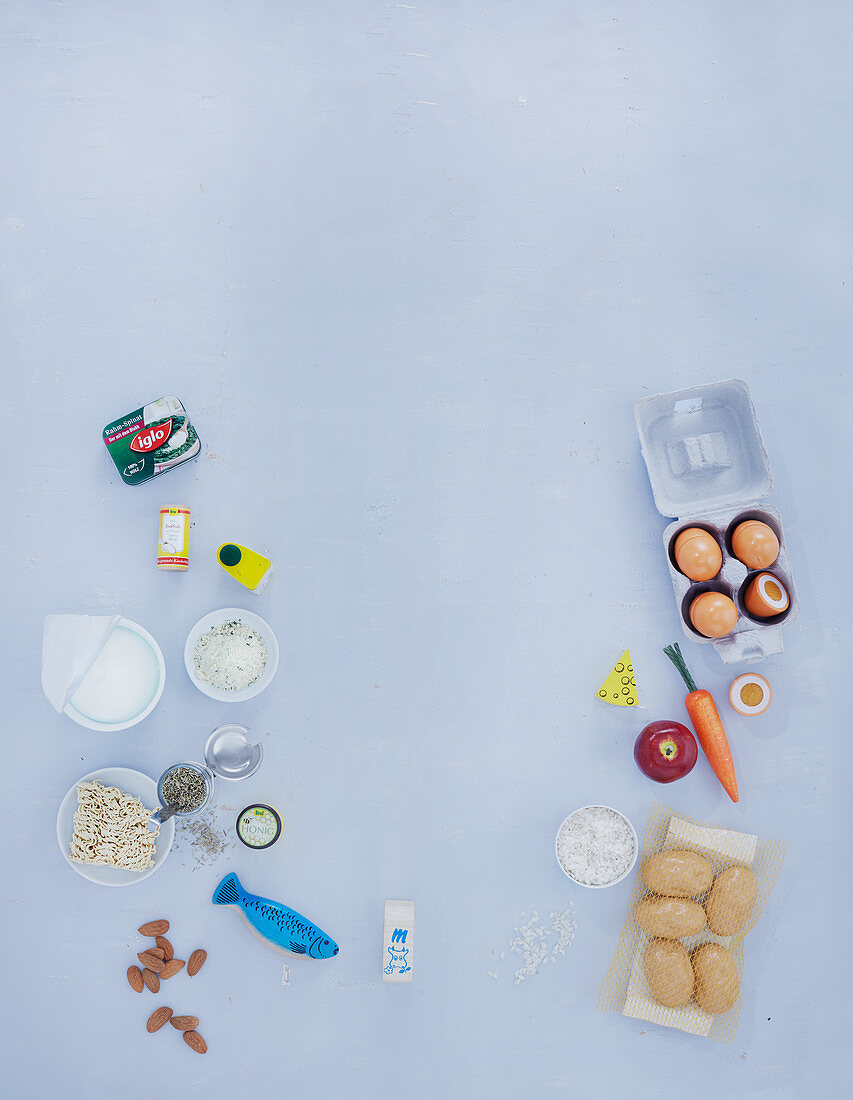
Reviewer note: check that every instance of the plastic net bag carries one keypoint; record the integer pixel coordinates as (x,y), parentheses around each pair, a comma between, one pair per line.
(700,889)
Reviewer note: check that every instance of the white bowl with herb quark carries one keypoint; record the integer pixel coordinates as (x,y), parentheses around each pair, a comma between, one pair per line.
(231,654)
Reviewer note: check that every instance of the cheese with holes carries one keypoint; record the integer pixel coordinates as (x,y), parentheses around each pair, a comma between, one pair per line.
(619,688)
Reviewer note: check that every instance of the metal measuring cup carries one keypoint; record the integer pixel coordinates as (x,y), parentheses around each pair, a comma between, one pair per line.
(169,810)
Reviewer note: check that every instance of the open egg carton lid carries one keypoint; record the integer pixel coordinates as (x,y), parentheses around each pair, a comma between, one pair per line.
(703,448)
(707,465)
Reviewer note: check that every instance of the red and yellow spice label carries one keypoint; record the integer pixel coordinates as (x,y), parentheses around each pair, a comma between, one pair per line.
(173,543)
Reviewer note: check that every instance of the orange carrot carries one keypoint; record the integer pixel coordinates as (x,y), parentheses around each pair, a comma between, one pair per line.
(706,722)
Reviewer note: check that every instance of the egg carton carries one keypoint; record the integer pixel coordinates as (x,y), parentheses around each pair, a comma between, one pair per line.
(708,468)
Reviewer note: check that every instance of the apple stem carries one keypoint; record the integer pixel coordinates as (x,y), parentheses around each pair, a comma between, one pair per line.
(674,653)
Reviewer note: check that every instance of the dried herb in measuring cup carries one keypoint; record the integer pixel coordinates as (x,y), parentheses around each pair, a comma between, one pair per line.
(185,788)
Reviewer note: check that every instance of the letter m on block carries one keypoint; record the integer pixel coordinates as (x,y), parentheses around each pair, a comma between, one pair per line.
(399,935)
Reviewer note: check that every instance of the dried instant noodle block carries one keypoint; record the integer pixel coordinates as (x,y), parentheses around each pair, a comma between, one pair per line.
(626,988)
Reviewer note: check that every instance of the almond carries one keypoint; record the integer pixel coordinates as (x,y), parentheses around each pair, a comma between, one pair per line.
(156,951)
(151,980)
(166,948)
(154,928)
(196,961)
(151,961)
(195,1042)
(171,968)
(134,976)
(184,1023)
(157,1018)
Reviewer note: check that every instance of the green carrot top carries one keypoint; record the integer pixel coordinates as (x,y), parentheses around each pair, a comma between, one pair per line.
(674,653)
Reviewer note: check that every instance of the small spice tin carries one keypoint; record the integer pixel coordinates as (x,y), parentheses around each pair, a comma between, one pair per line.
(259,826)
(173,543)
(151,440)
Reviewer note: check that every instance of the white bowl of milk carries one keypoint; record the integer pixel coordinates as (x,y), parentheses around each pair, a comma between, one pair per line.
(123,685)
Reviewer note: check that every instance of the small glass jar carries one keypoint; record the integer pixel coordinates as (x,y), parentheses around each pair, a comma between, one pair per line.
(229,754)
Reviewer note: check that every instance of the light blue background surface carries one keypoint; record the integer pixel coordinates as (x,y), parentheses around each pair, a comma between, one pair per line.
(409,266)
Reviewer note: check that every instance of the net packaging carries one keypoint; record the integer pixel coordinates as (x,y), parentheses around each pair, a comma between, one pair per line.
(626,987)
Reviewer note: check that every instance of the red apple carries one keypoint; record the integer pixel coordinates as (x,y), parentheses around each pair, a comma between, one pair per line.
(665,751)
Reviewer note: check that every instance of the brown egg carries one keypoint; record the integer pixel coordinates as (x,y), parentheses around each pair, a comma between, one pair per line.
(765,596)
(697,554)
(713,614)
(755,544)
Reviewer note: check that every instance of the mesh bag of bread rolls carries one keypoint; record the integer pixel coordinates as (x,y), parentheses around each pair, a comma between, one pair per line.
(700,890)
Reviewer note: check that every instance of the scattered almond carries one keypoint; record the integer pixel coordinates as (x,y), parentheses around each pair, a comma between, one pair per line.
(151,961)
(195,1042)
(166,948)
(196,961)
(158,951)
(171,968)
(184,1023)
(134,976)
(151,979)
(159,1017)
(154,928)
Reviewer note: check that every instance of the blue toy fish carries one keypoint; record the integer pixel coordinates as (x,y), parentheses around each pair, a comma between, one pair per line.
(280,927)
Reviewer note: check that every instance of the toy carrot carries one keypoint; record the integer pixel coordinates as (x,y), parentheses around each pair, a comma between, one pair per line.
(706,722)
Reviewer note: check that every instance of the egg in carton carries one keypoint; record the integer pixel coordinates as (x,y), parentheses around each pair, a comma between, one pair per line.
(726,549)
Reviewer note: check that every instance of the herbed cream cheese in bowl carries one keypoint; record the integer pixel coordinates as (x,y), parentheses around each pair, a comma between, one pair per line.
(231,654)
(596,846)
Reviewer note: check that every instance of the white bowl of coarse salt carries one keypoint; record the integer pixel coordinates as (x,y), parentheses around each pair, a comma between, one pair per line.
(596,846)
(231,654)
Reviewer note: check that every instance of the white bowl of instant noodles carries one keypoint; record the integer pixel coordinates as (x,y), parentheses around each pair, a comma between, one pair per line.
(596,846)
(113,827)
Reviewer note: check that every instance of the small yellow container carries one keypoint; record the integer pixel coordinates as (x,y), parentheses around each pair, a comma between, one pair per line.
(173,543)
(247,566)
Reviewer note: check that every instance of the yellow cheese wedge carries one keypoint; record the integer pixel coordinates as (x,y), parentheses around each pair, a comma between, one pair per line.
(619,687)
(251,569)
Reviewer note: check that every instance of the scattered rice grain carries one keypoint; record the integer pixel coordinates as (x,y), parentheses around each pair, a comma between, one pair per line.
(535,943)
